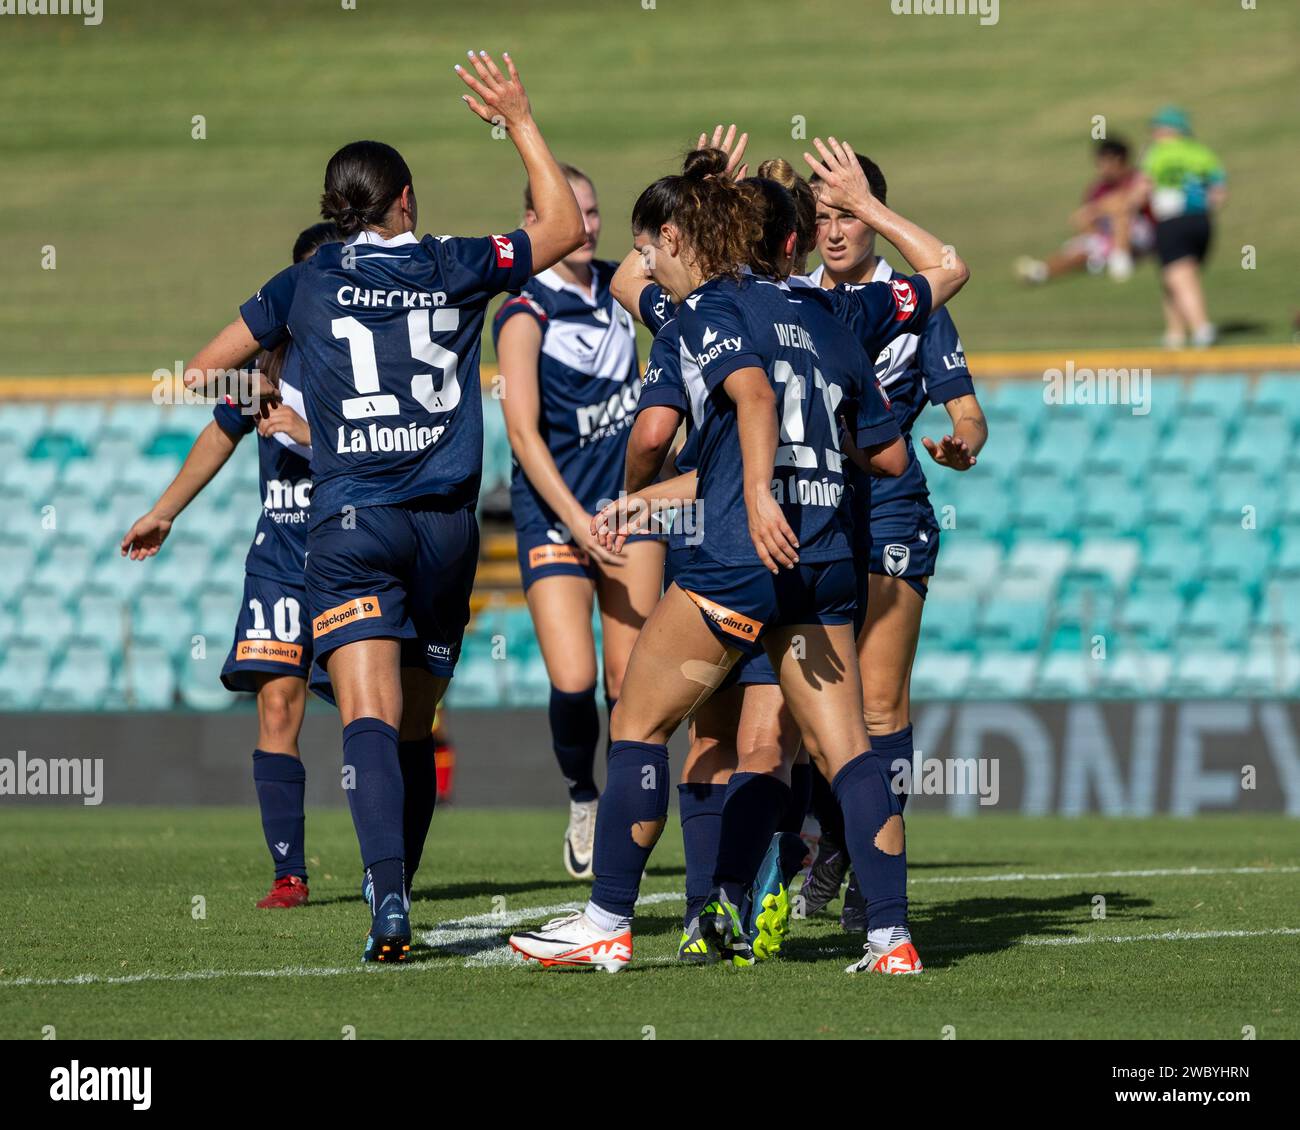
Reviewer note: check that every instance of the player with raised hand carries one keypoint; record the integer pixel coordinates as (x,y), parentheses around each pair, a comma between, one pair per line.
(896,532)
(773,564)
(567,356)
(386,333)
(745,725)
(272,654)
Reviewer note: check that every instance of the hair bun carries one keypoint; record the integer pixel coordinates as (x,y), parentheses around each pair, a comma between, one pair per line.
(702,163)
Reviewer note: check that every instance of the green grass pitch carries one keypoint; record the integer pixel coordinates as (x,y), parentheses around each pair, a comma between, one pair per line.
(984,133)
(96,909)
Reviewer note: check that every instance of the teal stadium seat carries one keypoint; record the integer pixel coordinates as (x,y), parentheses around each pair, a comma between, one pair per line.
(1003,675)
(78,420)
(478,682)
(43,613)
(1064,441)
(22,423)
(1151,618)
(1217,394)
(1011,625)
(1110,505)
(941,674)
(1192,444)
(1128,446)
(1256,447)
(1205,674)
(1218,619)
(1279,394)
(1129,671)
(1171,560)
(82,679)
(1068,674)
(24,672)
(1047,505)
(969,559)
(1269,671)
(148,678)
(200,679)
(1238,558)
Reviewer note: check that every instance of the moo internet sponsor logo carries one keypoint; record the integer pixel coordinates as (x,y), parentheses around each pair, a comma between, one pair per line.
(53,776)
(76,1083)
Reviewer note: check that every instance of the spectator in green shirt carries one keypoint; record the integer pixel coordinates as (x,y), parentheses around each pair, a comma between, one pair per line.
(1184,184)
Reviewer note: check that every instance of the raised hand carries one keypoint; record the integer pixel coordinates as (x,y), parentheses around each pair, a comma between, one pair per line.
(732,146)
(843,183)
(501,99)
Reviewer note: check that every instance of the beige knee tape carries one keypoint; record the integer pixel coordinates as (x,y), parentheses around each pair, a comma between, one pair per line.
(708,675)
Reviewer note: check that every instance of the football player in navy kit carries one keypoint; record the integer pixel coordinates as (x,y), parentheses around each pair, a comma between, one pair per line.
(895,526)
(773,569)
(568,361)
(272,654)
(386,334)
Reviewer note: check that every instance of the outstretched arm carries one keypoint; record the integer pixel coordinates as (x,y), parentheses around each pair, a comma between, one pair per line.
(208,455)
(501,99)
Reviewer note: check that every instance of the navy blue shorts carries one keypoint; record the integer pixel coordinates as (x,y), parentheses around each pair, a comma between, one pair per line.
(402,572)
(749,670)
(545,551)
(740,602)
(271,636)
(911,558)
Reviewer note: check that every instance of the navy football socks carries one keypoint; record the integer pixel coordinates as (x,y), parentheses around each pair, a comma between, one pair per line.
(891,749)
(700,810)
(631,817)
(376,800)
(281,782)
(575,730)
(419,798)
(826,808)
(863,790)
(751,814)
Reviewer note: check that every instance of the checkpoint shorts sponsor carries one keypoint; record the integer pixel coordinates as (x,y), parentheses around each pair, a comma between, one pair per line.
(749,670)
(545,551)
(740,602)
(272,634)
(402,572)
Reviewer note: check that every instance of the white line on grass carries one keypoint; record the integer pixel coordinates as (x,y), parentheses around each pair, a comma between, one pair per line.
(1151,873)
(475,936)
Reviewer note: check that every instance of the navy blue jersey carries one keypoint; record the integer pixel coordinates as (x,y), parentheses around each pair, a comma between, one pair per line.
(655,307)
(821,378)
(915,369)
(588,379)
(673,380)
(279,546)
(386,336)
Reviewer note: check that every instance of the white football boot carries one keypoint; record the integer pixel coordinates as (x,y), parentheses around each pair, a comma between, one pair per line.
(580,838)
(575,939)
(896,955)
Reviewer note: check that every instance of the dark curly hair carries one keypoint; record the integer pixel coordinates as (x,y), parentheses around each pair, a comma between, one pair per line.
(719,218)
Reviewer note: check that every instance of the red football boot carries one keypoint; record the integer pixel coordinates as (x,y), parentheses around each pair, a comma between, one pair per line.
(285,894)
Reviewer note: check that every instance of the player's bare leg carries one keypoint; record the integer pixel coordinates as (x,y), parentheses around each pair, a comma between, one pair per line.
(676,665)
(560,607)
